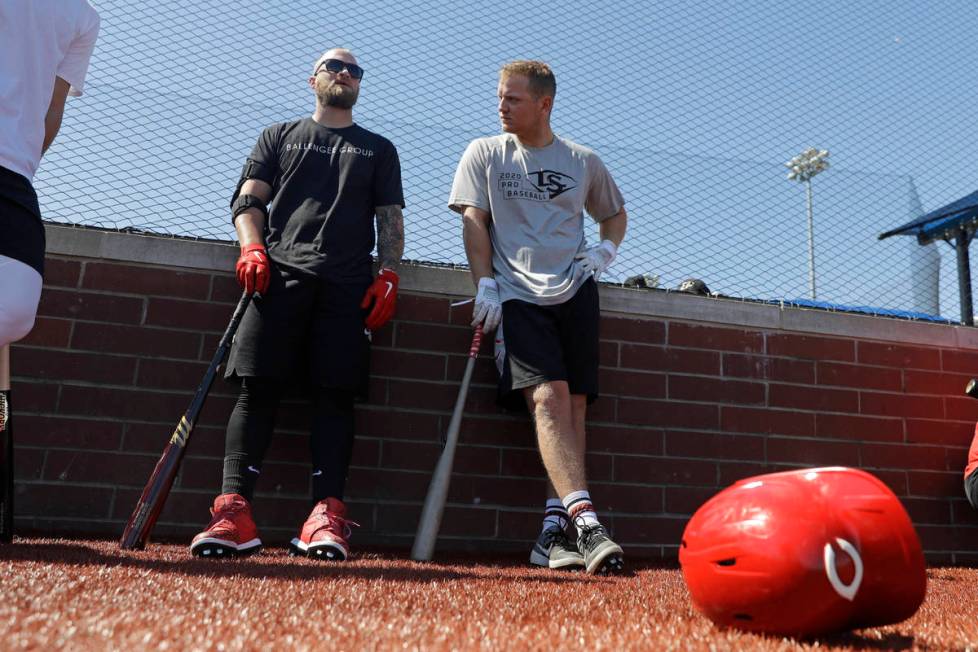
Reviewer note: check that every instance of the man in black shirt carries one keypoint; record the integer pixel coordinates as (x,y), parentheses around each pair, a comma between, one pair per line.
(308,258)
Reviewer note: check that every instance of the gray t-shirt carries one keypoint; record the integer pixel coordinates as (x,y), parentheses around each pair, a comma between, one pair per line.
(536,196)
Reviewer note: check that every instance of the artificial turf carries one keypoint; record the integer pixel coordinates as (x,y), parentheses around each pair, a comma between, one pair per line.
(64,594)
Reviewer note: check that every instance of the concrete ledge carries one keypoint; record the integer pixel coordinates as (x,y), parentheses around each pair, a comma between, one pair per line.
(140,248)
(445,281)
(674,305)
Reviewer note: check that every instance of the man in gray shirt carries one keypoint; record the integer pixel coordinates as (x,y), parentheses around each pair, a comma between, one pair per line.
(522,196)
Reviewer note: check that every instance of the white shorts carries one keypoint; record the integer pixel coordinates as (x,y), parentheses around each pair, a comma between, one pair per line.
(20,292)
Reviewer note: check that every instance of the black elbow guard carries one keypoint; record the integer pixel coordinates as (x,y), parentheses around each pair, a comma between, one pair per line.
(242,203)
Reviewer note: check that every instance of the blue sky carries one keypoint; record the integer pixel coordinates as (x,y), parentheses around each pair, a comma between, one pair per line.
(694,106)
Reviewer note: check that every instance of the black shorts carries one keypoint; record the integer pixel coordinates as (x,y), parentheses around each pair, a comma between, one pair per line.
(305,330)
(971,488)
(547,343)
(21,229)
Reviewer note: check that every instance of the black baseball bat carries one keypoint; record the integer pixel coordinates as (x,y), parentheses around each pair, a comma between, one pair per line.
(6,452)
(154,495)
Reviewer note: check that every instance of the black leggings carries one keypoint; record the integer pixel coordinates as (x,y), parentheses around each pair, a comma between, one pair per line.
(250,430)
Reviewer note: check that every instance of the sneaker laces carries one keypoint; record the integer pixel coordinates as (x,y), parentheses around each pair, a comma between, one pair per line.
(333,523)
(589,533)
(555,535)
(226,514)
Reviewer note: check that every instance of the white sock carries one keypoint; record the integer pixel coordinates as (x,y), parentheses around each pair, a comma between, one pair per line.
(580,508)
(555,515)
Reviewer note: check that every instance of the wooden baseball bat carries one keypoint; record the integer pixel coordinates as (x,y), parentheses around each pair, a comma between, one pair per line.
(154,495)
(434,503)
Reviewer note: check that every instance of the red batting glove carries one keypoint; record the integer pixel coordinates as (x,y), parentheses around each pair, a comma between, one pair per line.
(253,269)
(383,293)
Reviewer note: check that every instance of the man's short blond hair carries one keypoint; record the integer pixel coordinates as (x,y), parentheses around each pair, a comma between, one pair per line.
(539,75)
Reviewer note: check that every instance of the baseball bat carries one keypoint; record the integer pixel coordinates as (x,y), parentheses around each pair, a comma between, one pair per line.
(154,495)
(971,389)
(6,451)
(434,502)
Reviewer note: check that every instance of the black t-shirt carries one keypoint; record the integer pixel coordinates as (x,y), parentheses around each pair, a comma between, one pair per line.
(325,185)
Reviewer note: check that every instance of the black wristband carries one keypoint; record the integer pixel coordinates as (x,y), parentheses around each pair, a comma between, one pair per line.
(244,202)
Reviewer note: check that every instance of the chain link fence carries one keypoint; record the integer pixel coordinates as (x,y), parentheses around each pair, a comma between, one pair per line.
(694,107)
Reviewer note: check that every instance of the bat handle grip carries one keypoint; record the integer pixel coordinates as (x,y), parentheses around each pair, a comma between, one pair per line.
(476,342)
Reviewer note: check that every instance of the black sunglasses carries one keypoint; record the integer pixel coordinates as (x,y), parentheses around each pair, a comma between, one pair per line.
(336,66)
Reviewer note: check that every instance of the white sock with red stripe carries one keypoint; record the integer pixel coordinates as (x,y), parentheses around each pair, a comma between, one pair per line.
(555,515)
(580,508)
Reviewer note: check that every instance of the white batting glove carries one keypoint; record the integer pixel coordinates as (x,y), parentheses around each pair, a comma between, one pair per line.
(487,310)
(595,260)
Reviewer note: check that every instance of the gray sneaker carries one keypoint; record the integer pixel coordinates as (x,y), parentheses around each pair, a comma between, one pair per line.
(554,549)
(601,555)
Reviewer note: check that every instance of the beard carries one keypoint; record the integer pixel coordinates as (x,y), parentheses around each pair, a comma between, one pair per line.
(335,95)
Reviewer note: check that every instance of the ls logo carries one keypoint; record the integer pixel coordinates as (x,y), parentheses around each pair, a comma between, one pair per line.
(550,181)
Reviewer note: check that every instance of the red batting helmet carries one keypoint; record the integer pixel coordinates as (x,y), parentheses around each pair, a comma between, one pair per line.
(804,552)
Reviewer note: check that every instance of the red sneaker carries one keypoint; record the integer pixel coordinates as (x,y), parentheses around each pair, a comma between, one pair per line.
(324,534)
(231,530)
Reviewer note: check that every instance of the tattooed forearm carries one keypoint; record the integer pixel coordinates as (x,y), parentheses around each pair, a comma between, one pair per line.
(390,235)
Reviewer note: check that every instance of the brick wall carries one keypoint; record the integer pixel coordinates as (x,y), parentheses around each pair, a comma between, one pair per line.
(697,393)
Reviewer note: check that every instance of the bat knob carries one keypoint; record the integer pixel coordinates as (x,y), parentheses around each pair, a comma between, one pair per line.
(971,389)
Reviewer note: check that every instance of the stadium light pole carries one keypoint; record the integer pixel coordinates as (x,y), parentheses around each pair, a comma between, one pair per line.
(803,168)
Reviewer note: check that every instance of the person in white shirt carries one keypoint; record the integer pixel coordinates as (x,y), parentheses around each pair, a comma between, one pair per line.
(45,48)
(522,195)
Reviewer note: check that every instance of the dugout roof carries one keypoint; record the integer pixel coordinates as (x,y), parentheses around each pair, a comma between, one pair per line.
(943,223)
